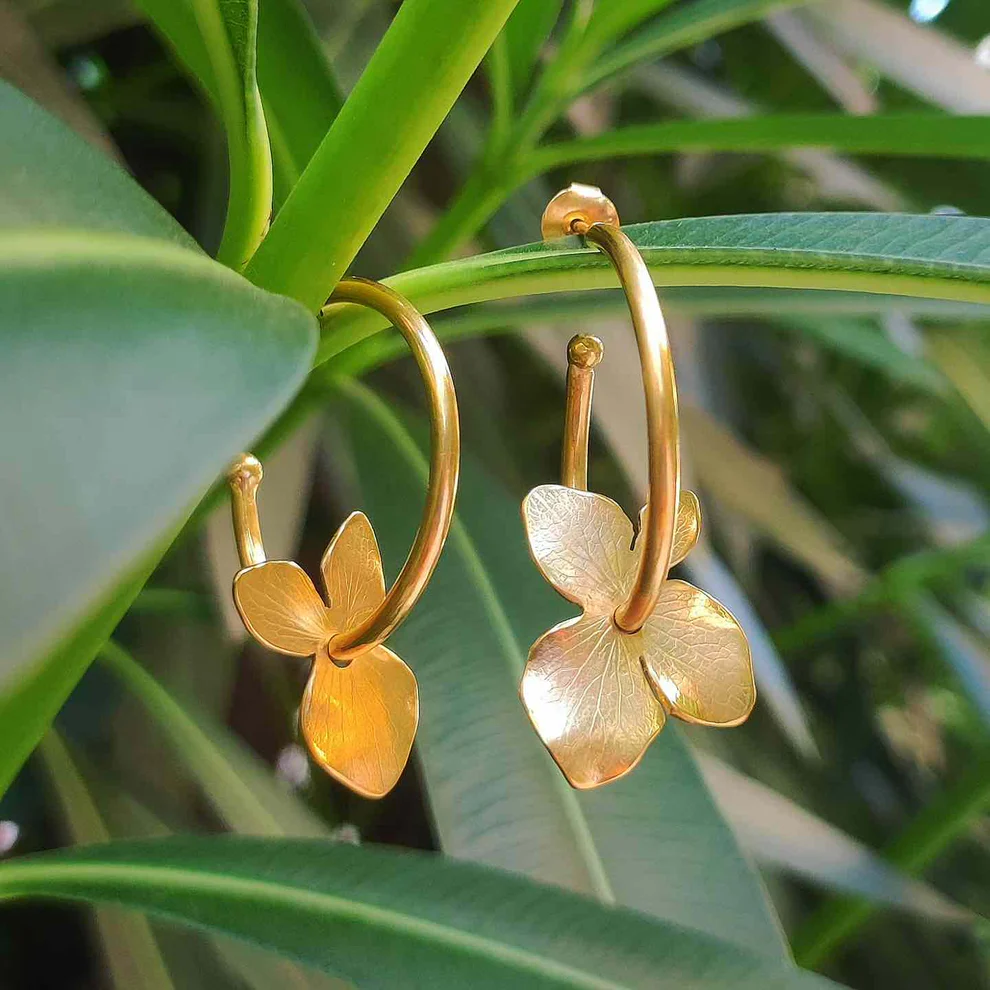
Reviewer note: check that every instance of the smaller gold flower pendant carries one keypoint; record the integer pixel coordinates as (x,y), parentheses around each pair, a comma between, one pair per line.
(596,694)
(358,717)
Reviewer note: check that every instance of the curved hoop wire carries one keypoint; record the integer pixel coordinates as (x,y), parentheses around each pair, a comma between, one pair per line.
(577,211)
(445,449)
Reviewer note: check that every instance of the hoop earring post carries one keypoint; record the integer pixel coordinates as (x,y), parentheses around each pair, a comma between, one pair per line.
(244,476)
(584,353)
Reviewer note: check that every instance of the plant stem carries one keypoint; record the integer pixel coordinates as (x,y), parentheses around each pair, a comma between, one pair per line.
(424,61)
(926,837)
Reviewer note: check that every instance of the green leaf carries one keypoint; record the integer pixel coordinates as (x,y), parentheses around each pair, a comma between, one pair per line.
(934,257)
(424,61)
(794,311)
(130,950)
(300,93)
(653,841)
(525,33)
(686,25)
(244,792)
(922,134)
(134,368)
(783,835)
(53,179)
(385,918)
(934,829)
(218,40)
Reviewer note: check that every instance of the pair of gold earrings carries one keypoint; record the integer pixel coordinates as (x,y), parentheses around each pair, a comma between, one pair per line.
(598,688)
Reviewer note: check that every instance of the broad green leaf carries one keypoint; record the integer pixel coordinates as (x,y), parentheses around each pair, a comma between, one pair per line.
(52,179)
(218,40)
(134,368)
(686,25)
(256,968)
(244,792)
(385,918)
(934,257)
(129,946)
(652,841)
(300,93)
(424,61)
(923,134)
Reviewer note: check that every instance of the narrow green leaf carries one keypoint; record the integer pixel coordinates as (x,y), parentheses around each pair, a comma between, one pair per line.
(129,947)
(610,20)
(783,835)
(795,311)
(686,25)
(934,257)
(134,368)
(385,918)
(243,791)
(653,841)
(922,134)
(934,829)
(218,40)
(424,61)
(526,32)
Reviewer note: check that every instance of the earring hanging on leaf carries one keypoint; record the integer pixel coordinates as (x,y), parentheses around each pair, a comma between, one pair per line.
(598,688)
(360,709)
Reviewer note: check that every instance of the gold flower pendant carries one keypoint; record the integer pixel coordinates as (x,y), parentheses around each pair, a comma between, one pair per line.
(596,694)
(358,717)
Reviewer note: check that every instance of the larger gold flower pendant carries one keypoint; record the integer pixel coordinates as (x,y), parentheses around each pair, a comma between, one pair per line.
(596,694)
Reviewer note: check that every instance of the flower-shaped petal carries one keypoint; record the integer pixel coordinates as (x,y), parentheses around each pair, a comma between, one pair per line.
(589,701)
(696,656)
(359,721)
(687,526)
(281,608)
(582,544)
(352,573)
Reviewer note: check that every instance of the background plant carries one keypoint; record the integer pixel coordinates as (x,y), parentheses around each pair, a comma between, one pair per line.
(833,375)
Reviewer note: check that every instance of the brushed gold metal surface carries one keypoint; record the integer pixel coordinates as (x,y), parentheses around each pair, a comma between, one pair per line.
(597,694)
(582,206)
(360,709)
(577,203)
(358,717)
(445,459)
(599,687)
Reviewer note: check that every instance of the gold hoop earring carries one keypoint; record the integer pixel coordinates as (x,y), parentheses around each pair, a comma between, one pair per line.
(360,709)
(599,688)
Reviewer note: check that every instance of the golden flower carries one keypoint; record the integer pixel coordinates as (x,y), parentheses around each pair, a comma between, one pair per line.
(596,694)
(359,718)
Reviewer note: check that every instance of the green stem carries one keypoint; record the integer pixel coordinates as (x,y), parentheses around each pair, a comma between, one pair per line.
(914,849)
(424,61)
